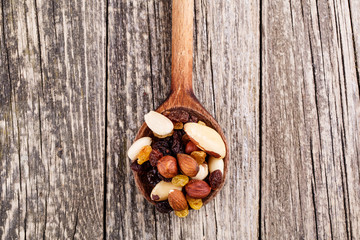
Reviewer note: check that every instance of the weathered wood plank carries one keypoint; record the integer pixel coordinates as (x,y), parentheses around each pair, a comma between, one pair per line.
(139,80)
(54,122)
(310,140)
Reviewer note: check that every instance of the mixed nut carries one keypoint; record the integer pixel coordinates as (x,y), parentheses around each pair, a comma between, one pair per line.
(181,161)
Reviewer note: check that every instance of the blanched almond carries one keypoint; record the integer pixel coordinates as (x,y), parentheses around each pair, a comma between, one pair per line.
(206,138)
(161,191)
(136,147)
(158,123)
(216,164)
(203,172)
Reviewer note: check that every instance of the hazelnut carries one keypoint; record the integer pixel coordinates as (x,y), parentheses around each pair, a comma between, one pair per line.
(167,166)
(191,147)
(188,165)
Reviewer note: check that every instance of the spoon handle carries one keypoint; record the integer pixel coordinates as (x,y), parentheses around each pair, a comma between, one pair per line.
(182,46)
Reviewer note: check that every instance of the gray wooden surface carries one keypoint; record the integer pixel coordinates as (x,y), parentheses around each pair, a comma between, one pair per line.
(281,77)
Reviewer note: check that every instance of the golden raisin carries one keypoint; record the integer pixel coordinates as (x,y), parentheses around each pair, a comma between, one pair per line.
(182,213)
(144,154)
(199,156)
(163,136)
(202,123)
(194,203)
(180,180)
(178,125)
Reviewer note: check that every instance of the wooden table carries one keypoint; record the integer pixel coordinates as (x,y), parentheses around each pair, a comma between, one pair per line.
(281,77)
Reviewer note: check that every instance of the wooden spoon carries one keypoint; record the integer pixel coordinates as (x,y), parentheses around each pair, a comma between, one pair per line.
(181,95)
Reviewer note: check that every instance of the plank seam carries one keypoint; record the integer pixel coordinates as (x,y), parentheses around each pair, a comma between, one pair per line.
(260,114)
(106,115)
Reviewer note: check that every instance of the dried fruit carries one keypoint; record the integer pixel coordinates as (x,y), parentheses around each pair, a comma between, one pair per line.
(188,165)
(206,138)
(141,169)
(177,200)
(162,146)
(167,166)
(191,147)
(185,139)
(158,123)
(193,118)
(135,166)
(199,156)
(202,123)
(163,207)
(177,145)
(216,164)
(136,147)
(161,191)
(197,189)
(152,177)
(180,180)
(144,154)
(178,116)
(195,203)
(182,213)
(215,179)
(203,172)
(164,178)
(178,125)
(154,157)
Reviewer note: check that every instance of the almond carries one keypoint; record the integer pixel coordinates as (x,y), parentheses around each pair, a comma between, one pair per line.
(167,166)
(206,139)
(216,164)
(203,172)
(161,191)
(197,189)
(158,123)
(136,147)
(177,200)
(188,165)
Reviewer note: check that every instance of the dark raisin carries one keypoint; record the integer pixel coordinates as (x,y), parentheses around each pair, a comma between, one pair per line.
(193,118)
(153,177)
(155,155)
(178,116)
(164,178)
(135,166)
(215,179)
(177,144)
(163,207)
(162,146)
(140,168)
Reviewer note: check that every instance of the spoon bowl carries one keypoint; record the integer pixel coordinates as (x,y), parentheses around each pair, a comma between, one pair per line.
(181,95)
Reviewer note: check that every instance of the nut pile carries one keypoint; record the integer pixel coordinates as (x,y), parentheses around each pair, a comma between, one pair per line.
(180,163)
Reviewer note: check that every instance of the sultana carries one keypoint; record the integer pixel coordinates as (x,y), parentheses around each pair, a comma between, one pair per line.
(180,180)
(195,203)
(144,154)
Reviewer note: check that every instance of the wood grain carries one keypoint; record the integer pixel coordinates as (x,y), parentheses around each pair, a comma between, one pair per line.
(280,77)
(141,82)
(310,111)
(53,146)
